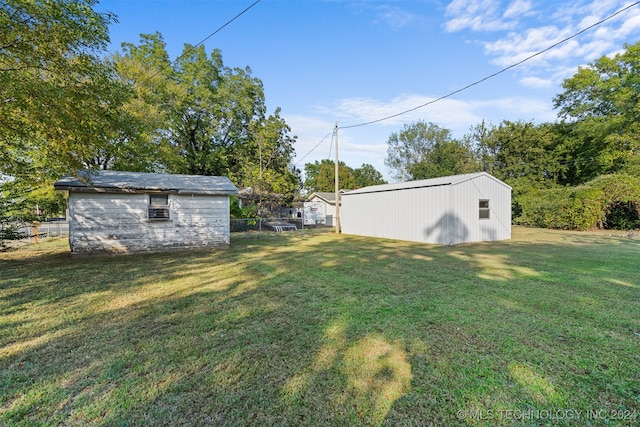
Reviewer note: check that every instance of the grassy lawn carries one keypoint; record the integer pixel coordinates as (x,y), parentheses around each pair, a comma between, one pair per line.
(325,329)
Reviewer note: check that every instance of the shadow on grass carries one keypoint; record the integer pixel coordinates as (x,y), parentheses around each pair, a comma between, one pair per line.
(321,330)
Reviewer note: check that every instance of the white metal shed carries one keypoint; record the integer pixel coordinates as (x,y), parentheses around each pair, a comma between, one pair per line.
(448,210)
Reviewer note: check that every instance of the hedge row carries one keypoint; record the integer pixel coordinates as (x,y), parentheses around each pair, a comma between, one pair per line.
(609,201)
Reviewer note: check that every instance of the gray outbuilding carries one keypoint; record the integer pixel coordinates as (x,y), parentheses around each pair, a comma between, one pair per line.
(128,212)
(448,210)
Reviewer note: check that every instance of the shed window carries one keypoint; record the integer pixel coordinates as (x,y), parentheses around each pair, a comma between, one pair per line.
(159,207)
(484,209)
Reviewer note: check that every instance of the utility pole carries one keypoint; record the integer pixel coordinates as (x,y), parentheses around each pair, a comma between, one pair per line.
(337,218)
(260,195)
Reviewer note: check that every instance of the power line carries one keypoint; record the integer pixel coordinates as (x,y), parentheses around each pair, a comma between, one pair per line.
(478,81)
(496,73)
(192,48)
(316,146)
(219,29)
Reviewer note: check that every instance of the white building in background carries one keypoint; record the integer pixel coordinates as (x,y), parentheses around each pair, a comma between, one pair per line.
(448,210)
(320,208)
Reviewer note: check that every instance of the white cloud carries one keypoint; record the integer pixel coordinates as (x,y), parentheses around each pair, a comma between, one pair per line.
(477,15)
(518,8)
(515,47)
(536,82)
(395,17)
(544,25)
(572,12)
(515,108)
(485,15)
(358,153)
(630,25)
(368,144)
(392,16)
(445,112)
(562,72)
(594,49)
(453,114)
(314,133)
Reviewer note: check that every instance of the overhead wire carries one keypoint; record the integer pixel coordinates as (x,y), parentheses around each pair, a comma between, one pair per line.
(496,73)
(314,147)
(419,106)
(225,24)
(192,48)
(448,95)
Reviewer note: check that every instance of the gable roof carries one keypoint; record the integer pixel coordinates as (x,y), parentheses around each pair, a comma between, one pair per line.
(324,195)
(329,197)
(432,182)
(136,182)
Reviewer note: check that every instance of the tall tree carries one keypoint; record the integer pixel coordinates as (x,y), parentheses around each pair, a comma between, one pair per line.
(146,69)
(367,175)
(54,91)
(99,131)
(47,50)
(478,137)
(320,176)
(446,158)
(520,149)
(213,110)
(266,158)
(411,146)
(208,119)
(602,102)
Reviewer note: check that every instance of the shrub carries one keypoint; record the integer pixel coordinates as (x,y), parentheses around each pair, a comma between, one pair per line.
(609,201)
(623,216)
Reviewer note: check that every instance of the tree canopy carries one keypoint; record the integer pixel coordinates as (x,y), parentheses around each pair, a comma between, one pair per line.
(64,108)
(320,176)
(602,104)
(556,169)
(54,91)
(367,175)
(47,66)
(209,119)
(411,147)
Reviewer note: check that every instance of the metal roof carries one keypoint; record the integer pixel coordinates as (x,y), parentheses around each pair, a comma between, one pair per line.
(127,182)
(432,182)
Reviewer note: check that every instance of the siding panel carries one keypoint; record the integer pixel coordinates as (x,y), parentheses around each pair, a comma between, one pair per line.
(442,211)
(117,223)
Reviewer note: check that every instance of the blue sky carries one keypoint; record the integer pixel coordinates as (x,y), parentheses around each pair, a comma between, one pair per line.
(354,61)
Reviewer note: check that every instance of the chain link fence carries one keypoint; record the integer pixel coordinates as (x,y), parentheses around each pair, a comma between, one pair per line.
(258,227)
(14,234)
(23,233)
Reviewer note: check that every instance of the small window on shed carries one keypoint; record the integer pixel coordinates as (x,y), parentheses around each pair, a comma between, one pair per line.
(158,207)
(484,209)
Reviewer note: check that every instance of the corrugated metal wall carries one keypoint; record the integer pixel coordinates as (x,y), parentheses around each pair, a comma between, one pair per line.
(465,203)
(410,214)
(442,214)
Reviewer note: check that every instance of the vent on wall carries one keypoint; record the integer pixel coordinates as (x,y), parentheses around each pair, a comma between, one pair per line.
(158,207)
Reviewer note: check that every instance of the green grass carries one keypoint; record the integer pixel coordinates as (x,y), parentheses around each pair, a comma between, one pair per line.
(325,329)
